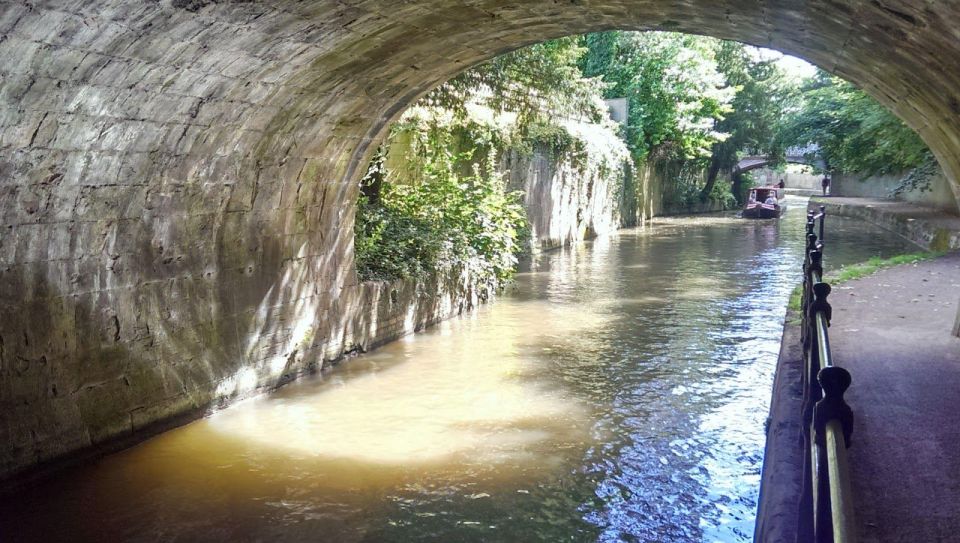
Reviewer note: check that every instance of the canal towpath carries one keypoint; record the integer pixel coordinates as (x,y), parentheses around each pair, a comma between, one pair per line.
(893,332)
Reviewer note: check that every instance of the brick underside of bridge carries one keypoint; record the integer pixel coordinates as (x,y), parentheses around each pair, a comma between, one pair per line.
(178,178)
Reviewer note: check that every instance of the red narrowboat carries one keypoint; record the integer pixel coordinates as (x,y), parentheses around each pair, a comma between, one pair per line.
(764,203)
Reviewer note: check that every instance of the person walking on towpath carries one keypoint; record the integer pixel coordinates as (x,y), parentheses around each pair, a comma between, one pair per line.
(825,184)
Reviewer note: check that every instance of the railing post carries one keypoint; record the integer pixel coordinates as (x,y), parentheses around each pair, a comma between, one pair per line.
(812,273)
(820,304)
(832,520)
(816,261)
(823,216)
(834,381)
(811,346)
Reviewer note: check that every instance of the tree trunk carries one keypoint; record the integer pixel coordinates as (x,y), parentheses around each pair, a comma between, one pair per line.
(711,177)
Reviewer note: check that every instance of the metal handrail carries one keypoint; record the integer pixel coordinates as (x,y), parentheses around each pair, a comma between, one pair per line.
(827,507)
(841,495)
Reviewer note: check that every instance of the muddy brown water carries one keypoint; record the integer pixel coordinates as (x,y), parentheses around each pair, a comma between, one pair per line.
(617,392)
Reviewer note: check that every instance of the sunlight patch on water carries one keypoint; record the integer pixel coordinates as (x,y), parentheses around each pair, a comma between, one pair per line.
(640,300)
(690,222)
(486,402)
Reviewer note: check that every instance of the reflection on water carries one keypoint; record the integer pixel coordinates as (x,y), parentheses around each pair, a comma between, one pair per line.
(616,393)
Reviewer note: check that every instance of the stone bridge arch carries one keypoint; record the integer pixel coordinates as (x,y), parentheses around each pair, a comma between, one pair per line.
(795,155)
(177,178)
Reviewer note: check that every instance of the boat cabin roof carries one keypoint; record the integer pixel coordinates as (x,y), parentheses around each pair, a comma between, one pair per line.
(762,191)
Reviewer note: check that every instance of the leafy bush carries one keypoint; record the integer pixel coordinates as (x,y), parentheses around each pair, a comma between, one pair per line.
(723,194)
(543,79)
(443,222)
(553,137)
(683,180)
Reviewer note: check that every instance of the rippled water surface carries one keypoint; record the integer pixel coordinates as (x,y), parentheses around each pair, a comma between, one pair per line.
(616,393)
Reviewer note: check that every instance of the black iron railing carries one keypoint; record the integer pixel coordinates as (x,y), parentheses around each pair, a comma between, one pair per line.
(827,504)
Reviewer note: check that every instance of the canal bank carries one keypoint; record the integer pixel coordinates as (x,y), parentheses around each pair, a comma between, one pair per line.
(892,330)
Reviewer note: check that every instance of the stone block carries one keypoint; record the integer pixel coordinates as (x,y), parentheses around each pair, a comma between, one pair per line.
(104,409)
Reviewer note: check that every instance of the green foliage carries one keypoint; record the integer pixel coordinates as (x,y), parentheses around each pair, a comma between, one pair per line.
(919,178)
(855,133)
(534,82)
(433,137)
(763,93)
(675,92)
(447,221)
(442,205)
(683,186)
(722,193)
(692,99)
(555,138)
(875,264)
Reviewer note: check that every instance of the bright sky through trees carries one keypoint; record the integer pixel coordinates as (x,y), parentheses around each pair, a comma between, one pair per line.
(794,67)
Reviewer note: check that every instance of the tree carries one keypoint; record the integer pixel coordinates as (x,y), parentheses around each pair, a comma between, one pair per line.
(855,133)
(763,93)
(533,82)
(675,91)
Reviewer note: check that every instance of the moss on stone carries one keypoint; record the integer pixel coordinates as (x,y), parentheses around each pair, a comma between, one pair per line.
(940,241)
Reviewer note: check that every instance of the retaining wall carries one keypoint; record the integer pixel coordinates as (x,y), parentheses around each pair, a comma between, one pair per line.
(927,227)
(937,195)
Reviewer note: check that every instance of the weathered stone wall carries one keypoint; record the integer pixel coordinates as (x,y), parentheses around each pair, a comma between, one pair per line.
(646,197)
(569,194)
(654,184)
(792,180)
(928,227)
(383,311)
(573,194)
(566,202)
(177,178)
(881,186)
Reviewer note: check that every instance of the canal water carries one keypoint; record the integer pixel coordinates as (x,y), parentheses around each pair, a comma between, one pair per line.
(617,392)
